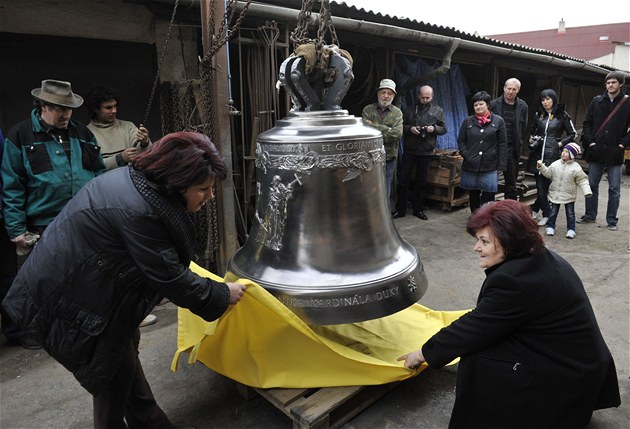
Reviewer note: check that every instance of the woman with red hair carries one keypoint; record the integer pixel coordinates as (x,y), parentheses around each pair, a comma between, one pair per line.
(532,354)
(117,248)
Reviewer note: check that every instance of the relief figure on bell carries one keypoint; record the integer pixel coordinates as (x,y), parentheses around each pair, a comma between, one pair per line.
(274,221)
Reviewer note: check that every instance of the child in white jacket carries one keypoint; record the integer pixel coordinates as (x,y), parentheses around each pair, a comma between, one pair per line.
(566,176)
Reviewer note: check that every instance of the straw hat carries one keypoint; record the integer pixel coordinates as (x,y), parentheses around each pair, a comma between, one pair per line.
(57,92)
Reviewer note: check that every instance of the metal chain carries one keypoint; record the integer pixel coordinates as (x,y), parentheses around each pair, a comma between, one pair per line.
(160,63)
(326,24)
(300,35)
(225,34)
(207,114)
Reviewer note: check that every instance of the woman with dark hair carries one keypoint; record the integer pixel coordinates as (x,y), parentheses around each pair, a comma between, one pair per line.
(545,144)
(532,354)
(118,247)
(482,142)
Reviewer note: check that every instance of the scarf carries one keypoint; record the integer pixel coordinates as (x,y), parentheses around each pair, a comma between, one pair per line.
(483,119)
(173,214)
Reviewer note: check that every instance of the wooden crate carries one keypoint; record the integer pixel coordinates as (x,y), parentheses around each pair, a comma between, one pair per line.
(440,175)
(449,195)
(320,408)
(445,169)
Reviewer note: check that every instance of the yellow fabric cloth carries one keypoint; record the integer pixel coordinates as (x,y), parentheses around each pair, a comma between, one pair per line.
(261,343)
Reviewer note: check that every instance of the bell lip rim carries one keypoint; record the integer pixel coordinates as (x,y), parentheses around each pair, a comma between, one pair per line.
(315,291)
(361,313)
(336,112)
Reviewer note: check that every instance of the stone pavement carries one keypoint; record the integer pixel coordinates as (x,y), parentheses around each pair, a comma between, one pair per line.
(36,392)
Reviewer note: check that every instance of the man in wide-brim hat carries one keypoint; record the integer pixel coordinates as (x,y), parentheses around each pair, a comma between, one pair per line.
(46,160)
(57,92)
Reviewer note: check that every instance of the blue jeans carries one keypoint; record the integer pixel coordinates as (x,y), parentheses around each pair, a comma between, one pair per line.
(569,209)
(595,173)
(390,168)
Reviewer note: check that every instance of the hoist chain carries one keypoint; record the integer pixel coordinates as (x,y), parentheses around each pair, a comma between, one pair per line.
(300,35)
(207,113)
(224,34)
(160,63)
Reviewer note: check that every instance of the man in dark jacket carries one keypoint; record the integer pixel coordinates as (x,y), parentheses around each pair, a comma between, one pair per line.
(605,136)
(46,160)
(423,122)
(514,112)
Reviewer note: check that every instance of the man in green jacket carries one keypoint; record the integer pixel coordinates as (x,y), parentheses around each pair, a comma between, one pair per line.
(47,159)
(388,119)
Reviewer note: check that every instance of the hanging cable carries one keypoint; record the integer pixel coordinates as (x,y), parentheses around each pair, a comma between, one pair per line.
(160,63)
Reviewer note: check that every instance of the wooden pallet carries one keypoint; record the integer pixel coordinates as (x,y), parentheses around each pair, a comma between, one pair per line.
(320,408)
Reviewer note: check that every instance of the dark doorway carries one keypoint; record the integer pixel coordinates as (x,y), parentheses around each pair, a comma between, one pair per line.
(28,59)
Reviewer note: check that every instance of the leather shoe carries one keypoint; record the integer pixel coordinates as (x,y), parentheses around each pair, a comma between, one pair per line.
(26,341)
(420,215)
(585,219)
(397,215)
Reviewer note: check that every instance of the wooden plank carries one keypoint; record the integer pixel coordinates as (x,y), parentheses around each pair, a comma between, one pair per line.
(330,408)
(321,402)
(360,402)
(320,408)
(285,399)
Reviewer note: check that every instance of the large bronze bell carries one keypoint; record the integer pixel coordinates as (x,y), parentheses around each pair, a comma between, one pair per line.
(324,242)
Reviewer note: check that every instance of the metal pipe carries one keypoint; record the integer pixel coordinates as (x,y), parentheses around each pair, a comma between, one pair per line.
(391,31)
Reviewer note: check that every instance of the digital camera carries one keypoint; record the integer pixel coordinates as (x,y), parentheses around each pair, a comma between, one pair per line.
(536,142)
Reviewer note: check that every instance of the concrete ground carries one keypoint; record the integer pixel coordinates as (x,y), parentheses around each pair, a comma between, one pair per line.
(36,392)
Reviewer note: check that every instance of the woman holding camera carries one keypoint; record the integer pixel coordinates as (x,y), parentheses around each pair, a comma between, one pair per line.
(546,143)
(482,142)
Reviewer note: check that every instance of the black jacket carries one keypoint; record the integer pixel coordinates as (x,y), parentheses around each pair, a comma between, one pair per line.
(532,354)
(422,115)
(484,148)
(606,149)
(549,130)
(521,112)
(100,267)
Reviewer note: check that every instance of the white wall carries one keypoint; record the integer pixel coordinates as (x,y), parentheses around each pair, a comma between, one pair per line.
(620,59)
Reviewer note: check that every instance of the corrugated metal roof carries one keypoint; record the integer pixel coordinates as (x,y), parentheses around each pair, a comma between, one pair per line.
(587,43)
(343,10)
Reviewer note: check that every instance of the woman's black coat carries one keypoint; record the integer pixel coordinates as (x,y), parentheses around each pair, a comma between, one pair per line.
(100,267)
(549,128)
(532,354)
(483,147)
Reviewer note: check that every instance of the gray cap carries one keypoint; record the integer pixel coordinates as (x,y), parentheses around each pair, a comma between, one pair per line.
(388,84)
